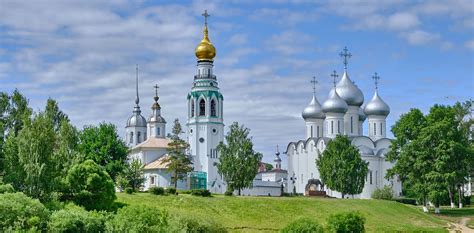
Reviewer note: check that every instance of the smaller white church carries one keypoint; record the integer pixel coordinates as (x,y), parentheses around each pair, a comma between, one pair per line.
(342,114)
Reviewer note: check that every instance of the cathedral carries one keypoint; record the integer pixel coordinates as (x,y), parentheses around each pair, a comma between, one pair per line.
(342,114)
(205,128)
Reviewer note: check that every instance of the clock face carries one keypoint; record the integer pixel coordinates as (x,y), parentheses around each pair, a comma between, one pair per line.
(201,140)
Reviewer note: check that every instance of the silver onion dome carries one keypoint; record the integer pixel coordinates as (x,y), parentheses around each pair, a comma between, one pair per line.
(377,106)
(349,92)
(362,115)
(313,110)
(334,103)
(156,119)
(136,120)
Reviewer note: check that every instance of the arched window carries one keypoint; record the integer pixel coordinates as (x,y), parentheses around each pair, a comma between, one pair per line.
(352,122)
(311,131)
(317,130)
(158,131)
(381,128)
(332,127)
(202,107)
(213,108)
(138,136)
(192,108)
(338,127)
(375,129)
(131,137)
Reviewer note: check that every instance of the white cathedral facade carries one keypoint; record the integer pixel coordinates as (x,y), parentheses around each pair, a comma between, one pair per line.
(342,114)
(148,141)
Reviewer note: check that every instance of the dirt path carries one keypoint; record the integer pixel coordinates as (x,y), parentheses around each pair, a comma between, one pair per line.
(460,227)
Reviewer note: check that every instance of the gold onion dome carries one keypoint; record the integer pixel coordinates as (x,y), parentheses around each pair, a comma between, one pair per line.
(205,50)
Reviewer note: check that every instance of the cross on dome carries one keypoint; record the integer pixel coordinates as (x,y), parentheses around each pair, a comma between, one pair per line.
(156,92)
(206,15)
(334,76)
(346,55)
(376,79)
(314,82)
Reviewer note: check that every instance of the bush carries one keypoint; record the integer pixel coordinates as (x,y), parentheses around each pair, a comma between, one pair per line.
(139,219)
(6,188)
(405,200)
(128,190)
(384,193)
(201,192)
(91,186)
(346,222)
(193,225)
(157,190)
(171,190)
(228,193)
(184,191)
(76,219)
(304,225)
(20,212)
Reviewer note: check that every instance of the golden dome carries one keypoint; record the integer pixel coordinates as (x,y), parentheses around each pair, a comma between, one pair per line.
(205,50)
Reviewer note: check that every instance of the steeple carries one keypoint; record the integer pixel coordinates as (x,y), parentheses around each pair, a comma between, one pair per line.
(377,111)
(156,123)
(136,124)
(346,88)
(277,160)
(137,98)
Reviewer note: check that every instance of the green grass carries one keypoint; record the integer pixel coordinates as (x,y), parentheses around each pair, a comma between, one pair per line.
(266,214)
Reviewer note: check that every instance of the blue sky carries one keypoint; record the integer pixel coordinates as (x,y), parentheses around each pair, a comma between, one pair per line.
(83,53)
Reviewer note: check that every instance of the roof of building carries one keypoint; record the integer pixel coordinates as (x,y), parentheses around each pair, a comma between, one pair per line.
(158,163)
(153,142)
(275,171)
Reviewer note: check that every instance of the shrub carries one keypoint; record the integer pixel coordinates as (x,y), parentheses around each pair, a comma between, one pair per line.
(404,200)
(194,225)
(91,186)
(346,222)
(171,190)
(384,193)
(20,212)
(139,219)
(157,190)
(228,193)
(201,192)
(128,190)
(182,191)
(76,219)
(6,188)
(304,225)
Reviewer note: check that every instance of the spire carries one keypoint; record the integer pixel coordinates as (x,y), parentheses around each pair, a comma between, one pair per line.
(376,79)
(205,50)
(137,99)
(334,76)
(278,151)
(277,160)
(346,55)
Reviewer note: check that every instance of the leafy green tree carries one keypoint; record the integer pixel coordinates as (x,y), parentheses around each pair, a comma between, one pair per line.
(238,162)
(90,186)
(102,145)
(346,222)
(179,163)
(268,167)
(139,219)
(53,112)
(20,213)
(341,167)
(437,158)
(76,219)
(30,158)
(133,173)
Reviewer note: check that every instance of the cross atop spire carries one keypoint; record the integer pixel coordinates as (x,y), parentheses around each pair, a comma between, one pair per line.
(376,79)
(334,76)
(346,55)
(206,15)
(278,150)
(156,93)
(137,99)
(314,82)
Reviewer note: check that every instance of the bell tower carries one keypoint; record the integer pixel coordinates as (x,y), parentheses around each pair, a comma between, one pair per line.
(205,114)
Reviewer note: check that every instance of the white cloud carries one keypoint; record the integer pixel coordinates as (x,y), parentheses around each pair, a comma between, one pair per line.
(289,42)
(470,44)
(238,39)
(403,21)
(420,37)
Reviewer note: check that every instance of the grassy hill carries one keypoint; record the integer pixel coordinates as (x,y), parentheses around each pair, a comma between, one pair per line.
(265,214)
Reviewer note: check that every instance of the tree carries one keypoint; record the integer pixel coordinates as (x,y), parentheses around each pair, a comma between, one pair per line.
(102,145)
(268,167)
(90,186)
(53,112)
(179,163)
(341,167)
(30,158)
(133,173)
(437,158)
(238,162)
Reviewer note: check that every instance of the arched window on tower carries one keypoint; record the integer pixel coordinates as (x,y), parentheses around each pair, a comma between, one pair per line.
(202,107)
(192,108)
(138,137)
(131,137)
(352,126)
(213,108)
(375,129)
